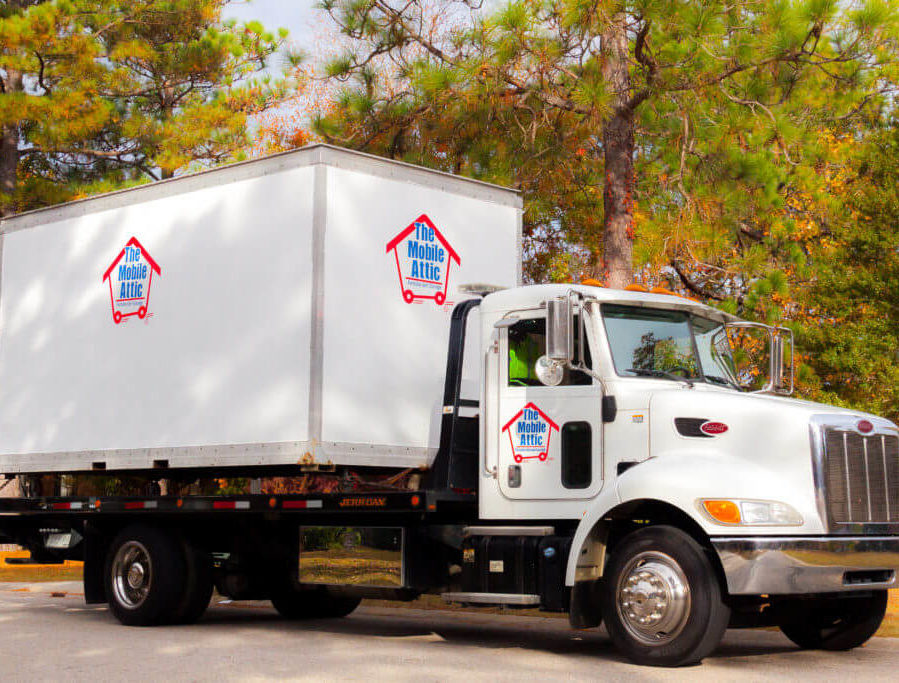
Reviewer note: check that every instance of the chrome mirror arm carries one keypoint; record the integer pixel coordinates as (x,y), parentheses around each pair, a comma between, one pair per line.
(581,364)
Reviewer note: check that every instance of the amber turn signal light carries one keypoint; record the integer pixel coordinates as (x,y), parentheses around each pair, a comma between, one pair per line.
(724,511)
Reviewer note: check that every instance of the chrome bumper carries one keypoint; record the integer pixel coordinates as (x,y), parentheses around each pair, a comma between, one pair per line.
(783,566)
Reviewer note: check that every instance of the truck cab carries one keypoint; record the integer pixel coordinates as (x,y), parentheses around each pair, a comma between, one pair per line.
(618,418)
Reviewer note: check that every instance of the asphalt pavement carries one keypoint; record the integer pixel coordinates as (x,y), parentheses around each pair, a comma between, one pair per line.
(48,633)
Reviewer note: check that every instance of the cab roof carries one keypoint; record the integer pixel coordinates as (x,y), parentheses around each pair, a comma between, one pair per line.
(532,296)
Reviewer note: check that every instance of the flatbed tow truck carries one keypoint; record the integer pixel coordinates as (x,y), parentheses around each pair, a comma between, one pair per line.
(567,447)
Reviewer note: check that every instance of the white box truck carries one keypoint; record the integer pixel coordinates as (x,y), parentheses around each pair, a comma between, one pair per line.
(314,316)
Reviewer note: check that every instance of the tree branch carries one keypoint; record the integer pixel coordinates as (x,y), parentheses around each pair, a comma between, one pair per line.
(40,73)
(641,53)
(692,286)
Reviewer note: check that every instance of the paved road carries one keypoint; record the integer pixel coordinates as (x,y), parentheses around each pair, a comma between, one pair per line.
(44,637)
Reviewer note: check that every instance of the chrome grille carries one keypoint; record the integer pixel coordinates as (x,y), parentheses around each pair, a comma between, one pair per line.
(862,476)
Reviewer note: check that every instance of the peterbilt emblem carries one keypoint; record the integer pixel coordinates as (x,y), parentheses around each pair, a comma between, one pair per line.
(699,427)
(713,428)
(865,426)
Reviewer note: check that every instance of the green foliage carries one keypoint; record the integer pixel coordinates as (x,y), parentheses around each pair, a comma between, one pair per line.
(751,123)
(108,91)
(850,326)
(728,101)
(231,487)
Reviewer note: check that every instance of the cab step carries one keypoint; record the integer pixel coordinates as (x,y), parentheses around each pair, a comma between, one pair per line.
(516,599)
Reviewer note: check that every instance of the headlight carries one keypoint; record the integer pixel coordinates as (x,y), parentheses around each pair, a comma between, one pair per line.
(750,512)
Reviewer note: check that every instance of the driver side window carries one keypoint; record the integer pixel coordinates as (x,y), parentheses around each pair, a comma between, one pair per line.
(527,342)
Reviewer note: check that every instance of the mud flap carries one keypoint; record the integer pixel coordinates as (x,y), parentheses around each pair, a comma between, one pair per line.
(95,545)
(585,607)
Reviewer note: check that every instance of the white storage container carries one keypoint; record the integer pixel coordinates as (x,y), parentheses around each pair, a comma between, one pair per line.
(291,308)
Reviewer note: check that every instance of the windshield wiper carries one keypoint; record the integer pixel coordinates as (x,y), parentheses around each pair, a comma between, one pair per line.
(722,381)
(643,372)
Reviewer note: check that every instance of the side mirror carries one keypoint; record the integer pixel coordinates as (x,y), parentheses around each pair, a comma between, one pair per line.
(558,330)
(550,368)
(754,354)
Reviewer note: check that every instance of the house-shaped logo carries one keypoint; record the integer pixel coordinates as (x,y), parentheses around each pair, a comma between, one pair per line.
(130,276)
(529,433)
(423,260)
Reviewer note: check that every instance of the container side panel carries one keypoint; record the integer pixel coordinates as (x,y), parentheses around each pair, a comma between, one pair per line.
(202,339)
(395,255)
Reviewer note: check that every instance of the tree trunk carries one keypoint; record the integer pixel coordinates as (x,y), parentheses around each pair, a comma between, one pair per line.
(9,148)
(616,266)
(167,109)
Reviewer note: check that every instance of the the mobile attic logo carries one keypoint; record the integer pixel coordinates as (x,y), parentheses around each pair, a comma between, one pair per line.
(130,276)
(529,433)
(423,260)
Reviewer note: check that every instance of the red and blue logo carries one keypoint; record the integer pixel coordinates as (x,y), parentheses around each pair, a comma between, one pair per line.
(130,276)
(423,259)
(529,433)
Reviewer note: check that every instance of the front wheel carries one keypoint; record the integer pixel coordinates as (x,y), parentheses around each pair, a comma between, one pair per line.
(839,623)
(662,603)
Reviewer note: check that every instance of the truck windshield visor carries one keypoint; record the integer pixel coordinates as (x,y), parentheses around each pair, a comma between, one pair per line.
(651,342)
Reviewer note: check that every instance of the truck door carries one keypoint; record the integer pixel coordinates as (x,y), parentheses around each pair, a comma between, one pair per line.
(548,440)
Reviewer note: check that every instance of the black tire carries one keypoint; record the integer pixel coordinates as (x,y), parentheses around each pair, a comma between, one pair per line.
(316,603)
(197,584)
(144,576)
(837,623)
(661,575)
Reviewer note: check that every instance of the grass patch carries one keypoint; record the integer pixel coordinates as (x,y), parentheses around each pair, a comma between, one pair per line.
(40,573)
(890,626)
(26,573)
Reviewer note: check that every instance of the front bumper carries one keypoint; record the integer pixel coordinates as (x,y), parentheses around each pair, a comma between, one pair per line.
(811,564)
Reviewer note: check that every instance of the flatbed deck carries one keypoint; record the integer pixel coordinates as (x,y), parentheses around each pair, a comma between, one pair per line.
(412,502)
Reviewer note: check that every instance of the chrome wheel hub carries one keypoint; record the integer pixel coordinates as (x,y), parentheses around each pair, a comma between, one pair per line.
(653,598)
(132,575)
(136,576)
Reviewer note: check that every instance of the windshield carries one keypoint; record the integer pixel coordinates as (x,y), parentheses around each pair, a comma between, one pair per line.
(651,342)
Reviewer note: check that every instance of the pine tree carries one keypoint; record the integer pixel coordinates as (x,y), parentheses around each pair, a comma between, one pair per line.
(107,91)
(846,314)
(680,124)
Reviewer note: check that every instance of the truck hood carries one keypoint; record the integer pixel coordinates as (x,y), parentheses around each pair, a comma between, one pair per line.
(763,450)
(711,398)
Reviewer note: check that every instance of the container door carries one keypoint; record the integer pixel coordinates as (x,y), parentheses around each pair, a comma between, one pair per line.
(549,440)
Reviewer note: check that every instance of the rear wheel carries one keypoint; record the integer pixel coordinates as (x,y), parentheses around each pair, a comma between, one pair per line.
(197,585)
(315,603)
(661,600)
(145,576)
(839,623)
